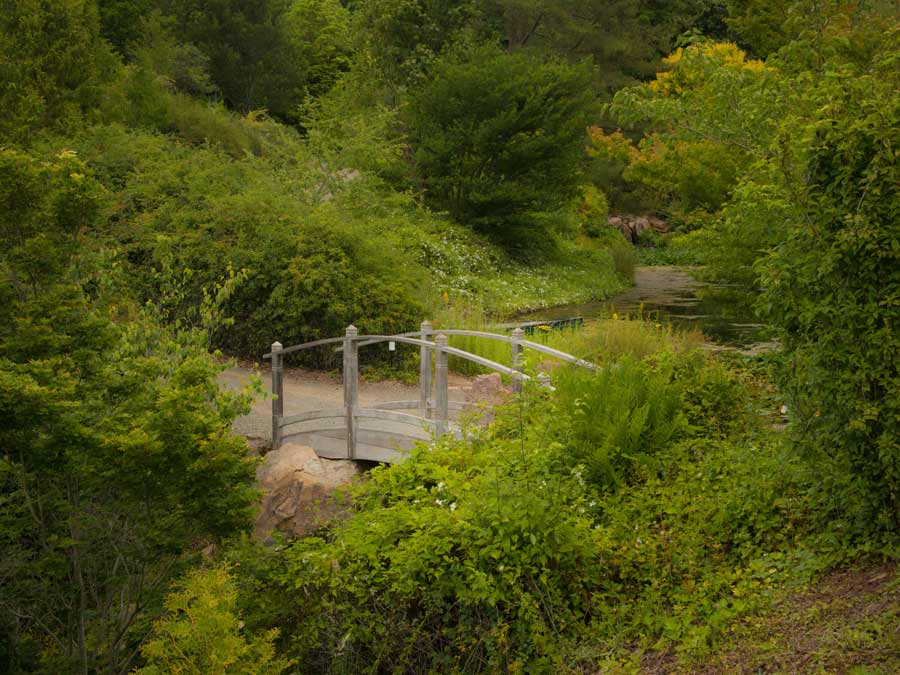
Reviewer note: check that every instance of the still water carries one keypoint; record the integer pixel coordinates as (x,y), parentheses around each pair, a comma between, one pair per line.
(671,294)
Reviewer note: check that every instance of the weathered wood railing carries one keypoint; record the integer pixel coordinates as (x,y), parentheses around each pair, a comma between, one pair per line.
(353,432)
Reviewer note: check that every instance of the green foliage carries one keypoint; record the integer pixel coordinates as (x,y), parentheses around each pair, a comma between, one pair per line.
(117,453)
(53,66)
(624,415)
(593,210)
(512,550)
(624,38)
(271,54)
(713,112)
(831,287)
(202,633)
(405,37)
(498,138)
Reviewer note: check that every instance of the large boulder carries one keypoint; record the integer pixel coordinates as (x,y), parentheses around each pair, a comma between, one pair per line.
(632,226)
(299,489)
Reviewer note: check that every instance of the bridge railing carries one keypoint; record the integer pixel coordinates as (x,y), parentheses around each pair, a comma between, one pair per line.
(367,427)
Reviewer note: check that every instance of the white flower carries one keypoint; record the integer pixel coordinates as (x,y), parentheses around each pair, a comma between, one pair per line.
(453,506)
(440,486)
(439,502)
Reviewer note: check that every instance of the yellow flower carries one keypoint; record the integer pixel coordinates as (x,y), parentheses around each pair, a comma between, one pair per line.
(544,327)
(615,316)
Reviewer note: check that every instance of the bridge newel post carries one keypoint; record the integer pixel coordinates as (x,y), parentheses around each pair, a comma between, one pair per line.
(544,380)
(277,393)
(516,361)
(425,371)
(351,386)
(441,411)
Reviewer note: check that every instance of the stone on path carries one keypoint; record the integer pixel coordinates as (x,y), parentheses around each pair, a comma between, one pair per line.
(298,489)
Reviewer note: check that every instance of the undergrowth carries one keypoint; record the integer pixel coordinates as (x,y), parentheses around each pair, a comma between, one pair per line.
(643,508)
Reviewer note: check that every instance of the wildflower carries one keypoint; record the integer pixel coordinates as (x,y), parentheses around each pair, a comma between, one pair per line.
(453,506)
(441,486)
(439,502)
(615,316)
(784,410)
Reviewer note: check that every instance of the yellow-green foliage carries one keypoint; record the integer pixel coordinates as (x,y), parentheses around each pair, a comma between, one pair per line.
(202,633)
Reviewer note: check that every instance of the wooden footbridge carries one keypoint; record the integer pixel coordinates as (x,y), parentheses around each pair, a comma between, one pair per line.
(386,431)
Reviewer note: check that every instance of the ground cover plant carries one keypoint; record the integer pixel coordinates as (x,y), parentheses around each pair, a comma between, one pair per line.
(181,182)
(645,508)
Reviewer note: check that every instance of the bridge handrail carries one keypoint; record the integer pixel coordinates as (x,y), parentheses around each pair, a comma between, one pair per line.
(305,345)
(438,407)
(550,351)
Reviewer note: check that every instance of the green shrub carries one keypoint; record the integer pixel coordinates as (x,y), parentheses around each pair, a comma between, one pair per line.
(202,633)
(832,288)
(625,414)
(498,139)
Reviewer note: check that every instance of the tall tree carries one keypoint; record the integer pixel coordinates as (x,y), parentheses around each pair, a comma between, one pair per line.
(52,63)
(498,137)
(268,54)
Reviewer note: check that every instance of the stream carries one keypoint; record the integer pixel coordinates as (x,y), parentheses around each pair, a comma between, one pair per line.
(670,294)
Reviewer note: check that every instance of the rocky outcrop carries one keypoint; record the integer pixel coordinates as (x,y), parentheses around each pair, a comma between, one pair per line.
(299,490)
(632,226)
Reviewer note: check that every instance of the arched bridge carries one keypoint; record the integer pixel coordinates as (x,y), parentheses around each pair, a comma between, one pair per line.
(385,432)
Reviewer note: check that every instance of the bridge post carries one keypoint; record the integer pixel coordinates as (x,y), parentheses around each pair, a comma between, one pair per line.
(425,371)
(441,411)
(516,346)
(277,394)
(351,387)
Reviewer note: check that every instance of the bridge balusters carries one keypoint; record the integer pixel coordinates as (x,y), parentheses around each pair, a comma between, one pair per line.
(516,361)
(425,371)
(277,394)
(442,404)
(351,386)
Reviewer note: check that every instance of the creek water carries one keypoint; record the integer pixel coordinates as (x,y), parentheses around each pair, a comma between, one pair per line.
(671,294)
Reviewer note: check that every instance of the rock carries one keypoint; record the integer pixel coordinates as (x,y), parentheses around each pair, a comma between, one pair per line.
(487,385)
(632,226)
(299,490)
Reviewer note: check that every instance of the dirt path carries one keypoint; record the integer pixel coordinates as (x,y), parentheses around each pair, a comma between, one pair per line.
(306,390)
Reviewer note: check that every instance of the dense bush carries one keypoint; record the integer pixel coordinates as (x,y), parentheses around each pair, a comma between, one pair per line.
(117,452)
(832,287)
(498,138)
(518,549)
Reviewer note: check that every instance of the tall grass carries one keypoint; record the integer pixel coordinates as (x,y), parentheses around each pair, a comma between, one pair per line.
(603,340)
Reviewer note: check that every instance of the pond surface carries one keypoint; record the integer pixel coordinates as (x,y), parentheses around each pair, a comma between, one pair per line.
(671,294)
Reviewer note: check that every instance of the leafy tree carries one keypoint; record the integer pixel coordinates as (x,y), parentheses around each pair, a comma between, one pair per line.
(815,29)
(831,285)
(117,452)
(623,38)
(52,66)
(498,138)
(405,37)
(120,21)
(712,112)
(271,54)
